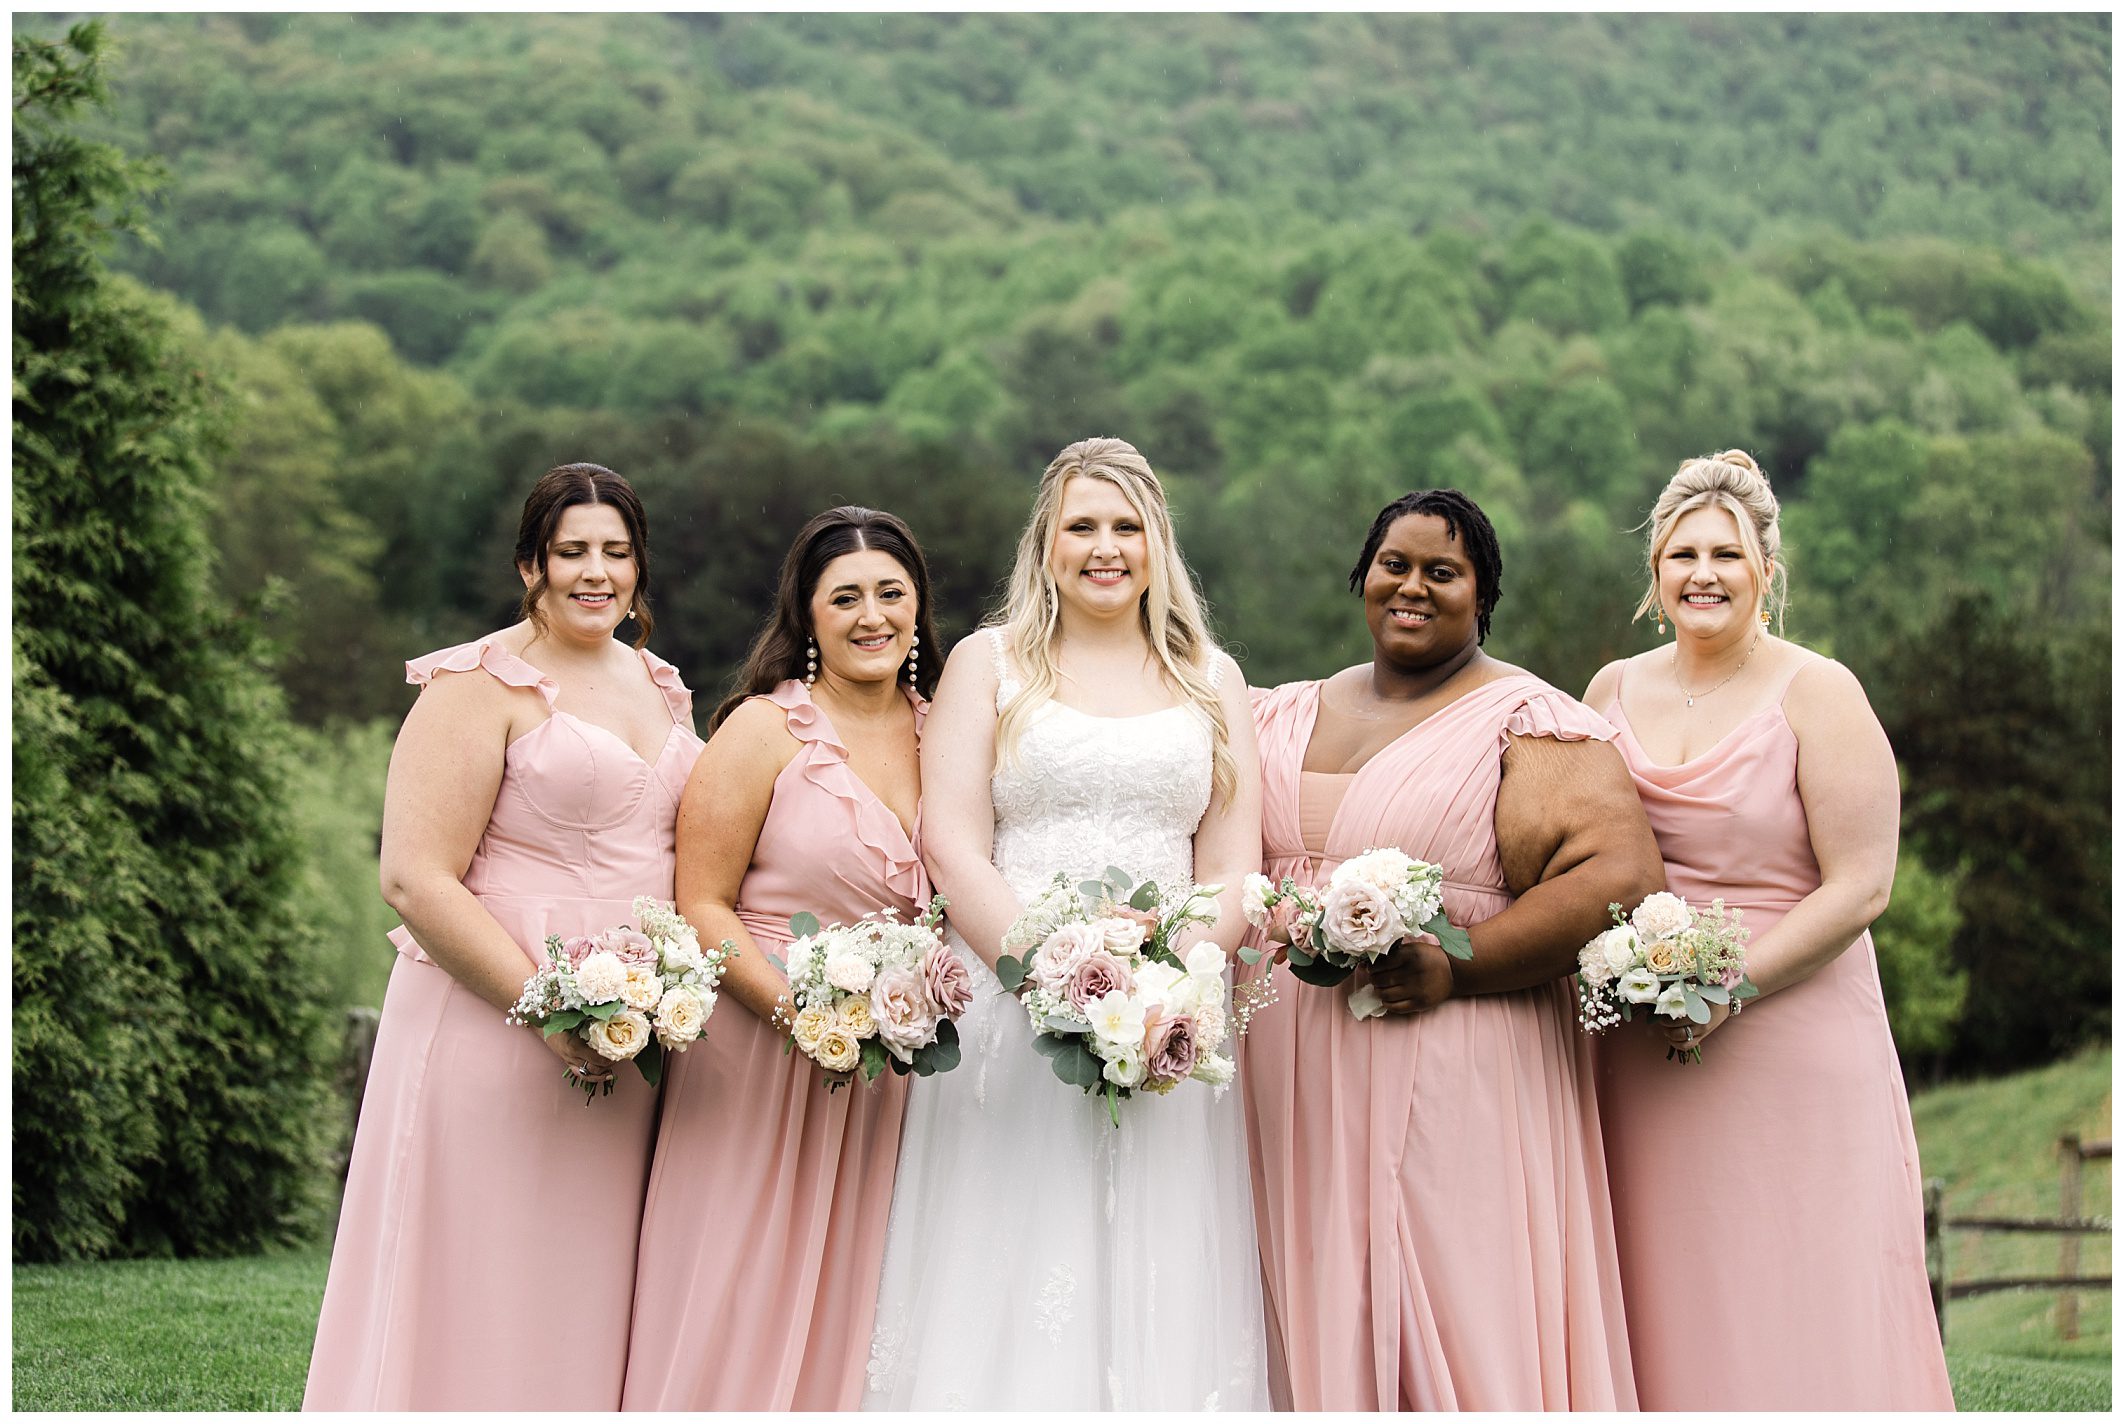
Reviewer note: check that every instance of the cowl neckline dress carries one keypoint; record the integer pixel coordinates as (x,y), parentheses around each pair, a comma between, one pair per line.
(1791,1140)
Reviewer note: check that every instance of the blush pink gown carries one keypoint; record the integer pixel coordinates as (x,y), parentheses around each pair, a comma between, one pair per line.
(1429,1193)
(485,1251)
(1768,1203)
(764,1234)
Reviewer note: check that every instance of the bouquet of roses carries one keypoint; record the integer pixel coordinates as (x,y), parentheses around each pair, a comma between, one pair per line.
(1666,957)
(1115,1005)
(1372,901)
(876,992)
(631,994)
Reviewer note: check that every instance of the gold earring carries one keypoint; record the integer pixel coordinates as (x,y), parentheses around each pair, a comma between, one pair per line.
(1662,616)
(1765,616)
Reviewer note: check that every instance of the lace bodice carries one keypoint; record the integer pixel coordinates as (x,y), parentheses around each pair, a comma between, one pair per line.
(1086,792)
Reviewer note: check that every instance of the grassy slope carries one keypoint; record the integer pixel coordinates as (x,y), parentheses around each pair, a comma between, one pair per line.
(236,1334)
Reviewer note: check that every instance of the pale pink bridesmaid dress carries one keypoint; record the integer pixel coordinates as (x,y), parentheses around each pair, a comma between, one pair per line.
(764,1234)
(1768,1203)
(1429,1193)
(485,1250)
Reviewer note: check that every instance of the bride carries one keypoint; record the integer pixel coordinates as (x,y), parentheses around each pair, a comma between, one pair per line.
(1037,1256)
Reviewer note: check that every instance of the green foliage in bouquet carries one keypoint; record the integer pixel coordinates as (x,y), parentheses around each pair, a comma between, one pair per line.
(168,1046)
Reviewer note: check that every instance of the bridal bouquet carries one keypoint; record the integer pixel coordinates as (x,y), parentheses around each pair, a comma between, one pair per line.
(876,992)
(631,994)
(1372,902)
(1116,1006)
(1667,958)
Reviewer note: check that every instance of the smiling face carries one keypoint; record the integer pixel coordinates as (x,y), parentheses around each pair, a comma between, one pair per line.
(590,573)
(1100,558)
(863,616)
(1707,581)
(1420,598)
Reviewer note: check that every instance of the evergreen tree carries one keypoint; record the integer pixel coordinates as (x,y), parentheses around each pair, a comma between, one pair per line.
(167,1049)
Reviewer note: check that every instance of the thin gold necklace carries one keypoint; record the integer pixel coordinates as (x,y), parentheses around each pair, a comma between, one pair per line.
(1689,697)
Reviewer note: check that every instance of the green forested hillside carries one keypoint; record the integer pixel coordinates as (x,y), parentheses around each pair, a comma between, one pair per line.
(1305,262)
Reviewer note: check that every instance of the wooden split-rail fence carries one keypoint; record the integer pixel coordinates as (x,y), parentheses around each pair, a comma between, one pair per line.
(2069,1224)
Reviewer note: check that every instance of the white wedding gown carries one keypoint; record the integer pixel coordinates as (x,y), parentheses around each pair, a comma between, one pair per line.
(1038,1257)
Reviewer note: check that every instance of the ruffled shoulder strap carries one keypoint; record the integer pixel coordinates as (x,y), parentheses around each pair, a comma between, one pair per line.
(1542,711)
(489,654)
(677,696)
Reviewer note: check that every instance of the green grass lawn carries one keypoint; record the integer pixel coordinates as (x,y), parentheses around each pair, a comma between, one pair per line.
(236,1334)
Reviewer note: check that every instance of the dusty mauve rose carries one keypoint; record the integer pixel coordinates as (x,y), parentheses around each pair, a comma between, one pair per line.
(1099,974)
(631,946)
(944,976)
(1172,1047)
(1062,952)
(578,949)
(906,1018)
(1281,917)
(1360,918)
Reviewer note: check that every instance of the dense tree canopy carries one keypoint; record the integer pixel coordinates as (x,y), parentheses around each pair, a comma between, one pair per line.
(762,263)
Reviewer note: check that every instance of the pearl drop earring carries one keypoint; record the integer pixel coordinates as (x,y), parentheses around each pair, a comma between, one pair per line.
(914,655)
(811,662)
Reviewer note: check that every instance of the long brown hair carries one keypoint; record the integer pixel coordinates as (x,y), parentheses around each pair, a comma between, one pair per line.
(778,650)
(558,490)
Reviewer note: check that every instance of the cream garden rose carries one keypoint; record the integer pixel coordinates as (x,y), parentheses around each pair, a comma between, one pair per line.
(680,1015)
(620,1037)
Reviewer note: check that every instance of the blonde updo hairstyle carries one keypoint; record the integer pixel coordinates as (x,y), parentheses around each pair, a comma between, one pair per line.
(1732,481)
(1171,609)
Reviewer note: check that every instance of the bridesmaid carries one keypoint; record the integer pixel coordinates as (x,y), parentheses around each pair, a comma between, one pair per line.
(765,1228)
(1768,1201)
(1429,1194)
(533,791)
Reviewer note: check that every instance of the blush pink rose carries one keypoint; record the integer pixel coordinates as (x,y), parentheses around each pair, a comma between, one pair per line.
(1360,918)
(631,946)
(906,1018)
(945,978)
(579,949)
(1065,949)
(1171,1047)
(1282,918)
(1099,974)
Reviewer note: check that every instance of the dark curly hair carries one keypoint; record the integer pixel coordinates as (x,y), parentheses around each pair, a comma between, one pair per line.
(1465,521)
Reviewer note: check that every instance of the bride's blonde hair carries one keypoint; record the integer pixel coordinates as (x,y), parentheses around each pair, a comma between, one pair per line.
(1170,609)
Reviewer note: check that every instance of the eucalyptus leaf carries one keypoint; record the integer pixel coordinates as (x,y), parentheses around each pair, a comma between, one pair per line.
(1715,993)
(874,1056)
(1063,1025)
(1047,1045)
(604,1011)
(1452,940)
(776,960)
(1699,1011)
(1118,878)
(1092,889)
(1250,955)
(562,1022)
(651,1063)
(1011,972)
(803,923)
(1146,896)
(944,1053)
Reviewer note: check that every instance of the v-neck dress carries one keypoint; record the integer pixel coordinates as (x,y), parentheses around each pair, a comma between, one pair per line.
(475,1166)
(1429,1191)
(1768,1202)
(765,1227)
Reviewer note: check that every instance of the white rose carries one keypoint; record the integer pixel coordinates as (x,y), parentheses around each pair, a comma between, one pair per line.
(1365,1002)
(850,971)
(1254,896)
(1661,914)
(1125,1068)
(679,1017)
(1121,936)
(1619,947)
(1638,986)
(1672,1002)
(1214,1069)
(620,1037)
(600,977)
(681,956)
(643,990)
(809,1025)
(1205,961)
(1156,984)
